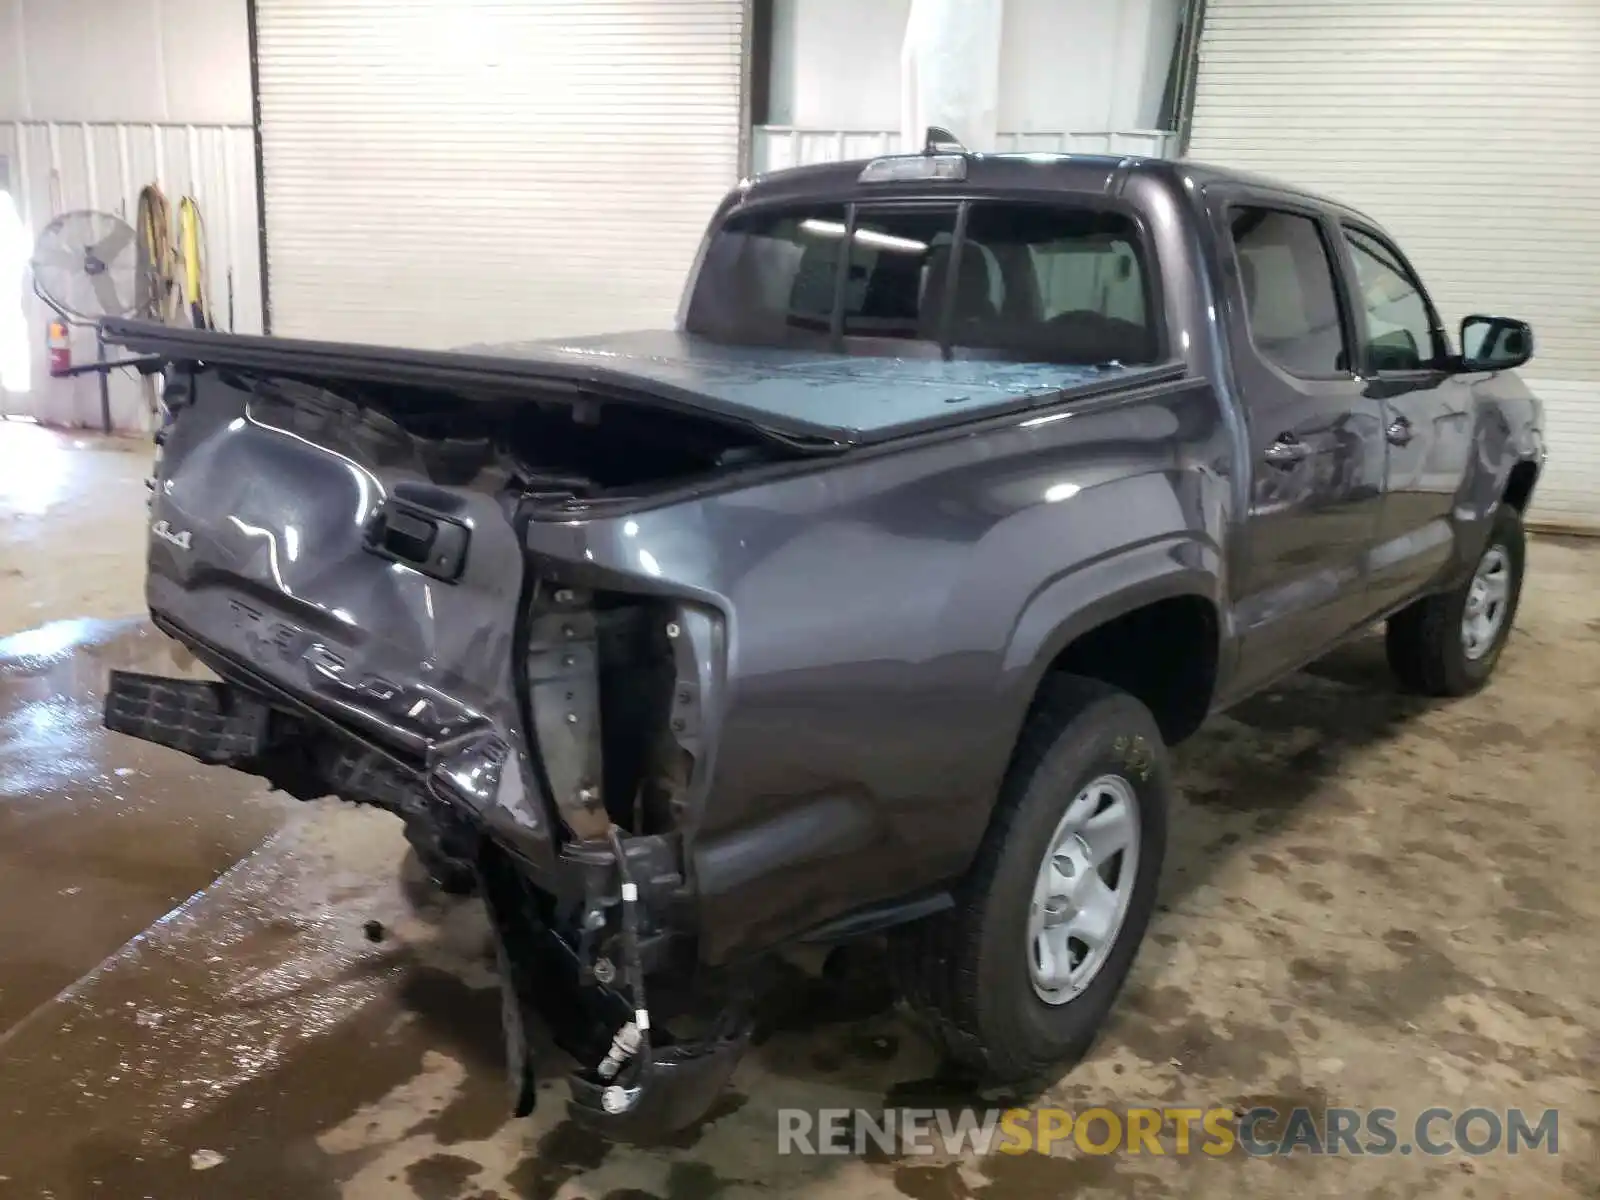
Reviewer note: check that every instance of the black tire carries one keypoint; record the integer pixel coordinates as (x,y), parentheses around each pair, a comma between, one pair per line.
(966,971)
(454,875)
(1426,650)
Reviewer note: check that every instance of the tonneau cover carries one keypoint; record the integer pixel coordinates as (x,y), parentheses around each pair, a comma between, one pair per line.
(836,399)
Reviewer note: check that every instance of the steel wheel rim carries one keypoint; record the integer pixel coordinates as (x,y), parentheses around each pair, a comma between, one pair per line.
(1488,596)
(1083,889)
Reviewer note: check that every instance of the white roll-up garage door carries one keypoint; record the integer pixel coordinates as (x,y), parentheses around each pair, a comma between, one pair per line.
(440,172)
(1468,127)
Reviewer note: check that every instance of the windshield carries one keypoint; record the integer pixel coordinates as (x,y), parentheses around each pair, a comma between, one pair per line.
(1028,282)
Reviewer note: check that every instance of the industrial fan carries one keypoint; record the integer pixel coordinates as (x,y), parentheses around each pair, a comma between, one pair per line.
(85,267)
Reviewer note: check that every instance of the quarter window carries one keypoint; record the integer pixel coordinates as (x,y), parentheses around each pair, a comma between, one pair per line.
(1401,332)
(1291,306)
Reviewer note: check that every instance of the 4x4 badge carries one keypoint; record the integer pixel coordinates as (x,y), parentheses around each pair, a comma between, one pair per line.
(182,540)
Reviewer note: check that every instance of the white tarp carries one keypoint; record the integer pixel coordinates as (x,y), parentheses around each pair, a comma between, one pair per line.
(950,71)
(13,265)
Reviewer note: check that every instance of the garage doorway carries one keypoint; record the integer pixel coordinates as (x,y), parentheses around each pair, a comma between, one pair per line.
(438,174)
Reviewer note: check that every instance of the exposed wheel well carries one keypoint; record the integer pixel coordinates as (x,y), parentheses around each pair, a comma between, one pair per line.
(1165,654)
(1519,487)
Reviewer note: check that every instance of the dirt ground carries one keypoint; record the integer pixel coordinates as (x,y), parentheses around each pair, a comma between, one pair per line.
(1370,901)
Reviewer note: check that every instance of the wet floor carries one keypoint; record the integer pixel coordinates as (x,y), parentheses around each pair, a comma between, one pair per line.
(72,521)
(99,836)
(1370,901)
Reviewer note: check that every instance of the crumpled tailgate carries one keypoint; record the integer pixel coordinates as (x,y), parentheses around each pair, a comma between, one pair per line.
(302,543)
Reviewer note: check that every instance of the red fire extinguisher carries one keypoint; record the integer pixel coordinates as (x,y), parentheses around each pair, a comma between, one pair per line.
(60,349)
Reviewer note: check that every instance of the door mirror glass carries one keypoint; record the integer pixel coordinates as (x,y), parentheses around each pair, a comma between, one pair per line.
(1495,343)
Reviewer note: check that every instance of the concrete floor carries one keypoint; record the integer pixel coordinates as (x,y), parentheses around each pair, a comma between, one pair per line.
(1369,900)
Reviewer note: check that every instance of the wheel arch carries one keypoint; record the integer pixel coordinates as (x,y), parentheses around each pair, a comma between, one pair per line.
(1502,469)
(1518,490)
(1149,621)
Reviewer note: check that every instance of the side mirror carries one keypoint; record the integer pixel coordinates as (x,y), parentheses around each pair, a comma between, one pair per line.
(1494,343)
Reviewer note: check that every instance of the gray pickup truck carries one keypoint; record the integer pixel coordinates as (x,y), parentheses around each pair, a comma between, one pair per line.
(865,601)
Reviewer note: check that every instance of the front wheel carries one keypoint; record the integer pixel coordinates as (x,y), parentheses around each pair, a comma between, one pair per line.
(1448,644)
(1020,975)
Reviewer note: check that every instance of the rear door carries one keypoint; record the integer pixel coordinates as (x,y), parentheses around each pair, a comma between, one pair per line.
(1427,413)
(1316,439)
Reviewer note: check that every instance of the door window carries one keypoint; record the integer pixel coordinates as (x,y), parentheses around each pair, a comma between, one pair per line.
(1291,306)
(1401,331)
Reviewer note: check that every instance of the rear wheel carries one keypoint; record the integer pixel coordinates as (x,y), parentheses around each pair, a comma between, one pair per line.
(1448,644)
(1020,975)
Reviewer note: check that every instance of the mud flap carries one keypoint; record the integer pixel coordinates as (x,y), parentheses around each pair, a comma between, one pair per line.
(542,982)
(539,981)
(682,1084)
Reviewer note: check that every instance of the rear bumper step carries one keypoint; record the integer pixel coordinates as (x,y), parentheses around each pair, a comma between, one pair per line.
(208,721)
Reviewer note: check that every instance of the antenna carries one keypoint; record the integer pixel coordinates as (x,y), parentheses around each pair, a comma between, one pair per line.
(942,141)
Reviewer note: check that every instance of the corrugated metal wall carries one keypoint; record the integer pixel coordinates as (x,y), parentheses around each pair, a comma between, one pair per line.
(1469,129)
(777,146)
(99,98)
(57,167)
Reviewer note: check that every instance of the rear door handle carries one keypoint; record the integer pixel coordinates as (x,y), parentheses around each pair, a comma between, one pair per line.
(1399,432)
(1287,451)
(426,541)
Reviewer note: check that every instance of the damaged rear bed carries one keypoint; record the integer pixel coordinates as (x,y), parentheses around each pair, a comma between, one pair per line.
(388,559)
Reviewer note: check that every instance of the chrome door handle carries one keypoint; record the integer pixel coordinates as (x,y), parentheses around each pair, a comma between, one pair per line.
(1286,451)
(1399,432)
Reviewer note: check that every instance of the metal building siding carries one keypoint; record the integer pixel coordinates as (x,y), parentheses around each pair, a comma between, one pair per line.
(1468,128)
(439,172)
(58,166)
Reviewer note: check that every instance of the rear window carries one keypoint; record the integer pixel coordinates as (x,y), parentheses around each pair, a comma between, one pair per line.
(769,278)
(1029,282)
(898,263)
